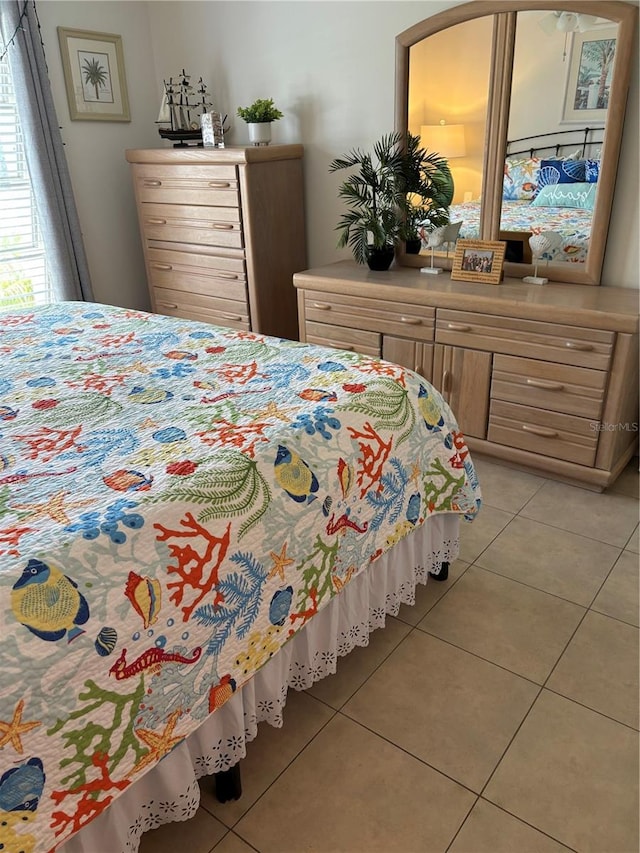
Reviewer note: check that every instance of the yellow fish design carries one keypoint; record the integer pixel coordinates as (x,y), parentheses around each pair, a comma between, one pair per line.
(295,476)
(429,409)
(145,595)
(48,603)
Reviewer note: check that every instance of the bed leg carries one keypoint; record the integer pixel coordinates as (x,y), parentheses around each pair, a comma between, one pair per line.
(228,784)
(442,574)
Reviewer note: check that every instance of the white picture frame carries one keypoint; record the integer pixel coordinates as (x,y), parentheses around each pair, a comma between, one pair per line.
(591,58)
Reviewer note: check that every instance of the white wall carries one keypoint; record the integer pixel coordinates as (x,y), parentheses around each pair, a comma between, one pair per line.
(95,149)
(329,67)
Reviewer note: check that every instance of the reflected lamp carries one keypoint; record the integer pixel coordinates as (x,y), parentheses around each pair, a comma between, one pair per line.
(448,141)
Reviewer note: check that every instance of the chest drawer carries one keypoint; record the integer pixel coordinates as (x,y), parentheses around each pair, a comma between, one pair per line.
(179,223)
(374,315)
(354,340)
(531,338)
(548,433)
(195,306)
(189,184)
(197,273)
(557,387)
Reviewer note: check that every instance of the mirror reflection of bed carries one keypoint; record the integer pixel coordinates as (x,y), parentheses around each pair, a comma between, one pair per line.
(549,184)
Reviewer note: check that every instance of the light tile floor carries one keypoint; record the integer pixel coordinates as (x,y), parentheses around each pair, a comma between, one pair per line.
(498,715)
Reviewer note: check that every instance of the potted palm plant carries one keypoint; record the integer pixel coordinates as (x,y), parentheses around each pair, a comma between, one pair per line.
(374,196)
(258,117)
(428,186)
(393,194)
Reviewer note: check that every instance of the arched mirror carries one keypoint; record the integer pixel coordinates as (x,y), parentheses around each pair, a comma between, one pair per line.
(526,99)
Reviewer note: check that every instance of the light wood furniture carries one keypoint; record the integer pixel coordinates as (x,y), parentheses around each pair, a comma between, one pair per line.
(223,232)
(544,377)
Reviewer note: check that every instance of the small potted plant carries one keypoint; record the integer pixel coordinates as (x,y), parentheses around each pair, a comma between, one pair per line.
(258,117)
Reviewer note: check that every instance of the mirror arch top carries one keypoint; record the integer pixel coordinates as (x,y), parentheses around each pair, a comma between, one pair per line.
(504,12)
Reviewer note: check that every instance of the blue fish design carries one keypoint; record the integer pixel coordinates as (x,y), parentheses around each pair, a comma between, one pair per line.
(21,787)
(280,606)
(413,508)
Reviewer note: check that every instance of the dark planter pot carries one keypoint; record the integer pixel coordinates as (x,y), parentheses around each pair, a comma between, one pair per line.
(379,259)
(412,247)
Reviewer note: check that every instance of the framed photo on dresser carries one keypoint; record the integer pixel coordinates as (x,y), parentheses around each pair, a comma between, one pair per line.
(478,260)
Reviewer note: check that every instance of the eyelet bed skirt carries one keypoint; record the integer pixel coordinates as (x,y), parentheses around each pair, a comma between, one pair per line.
(170,792)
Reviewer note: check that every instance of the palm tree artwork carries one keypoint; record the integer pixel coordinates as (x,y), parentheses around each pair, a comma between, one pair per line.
(94,74)
(596,63)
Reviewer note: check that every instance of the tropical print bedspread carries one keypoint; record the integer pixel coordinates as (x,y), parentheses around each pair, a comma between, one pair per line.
(177,500)
(573,224)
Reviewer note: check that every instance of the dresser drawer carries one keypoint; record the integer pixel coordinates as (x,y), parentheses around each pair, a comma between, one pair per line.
(179,223)
(557,387)
(375,315)
(195,306)
(355,340)
(210,275)
(546,341)
(188,184)
(561,436)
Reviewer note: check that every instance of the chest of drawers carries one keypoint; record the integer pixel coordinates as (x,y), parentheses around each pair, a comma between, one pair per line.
(542,377)
(222,233)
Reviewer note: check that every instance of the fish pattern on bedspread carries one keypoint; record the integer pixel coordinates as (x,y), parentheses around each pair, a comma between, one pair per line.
(177,500)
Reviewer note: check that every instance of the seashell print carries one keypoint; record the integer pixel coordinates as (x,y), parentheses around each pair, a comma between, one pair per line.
(106,641)
(331,366)
(145,595)
(280,606)
(128,481)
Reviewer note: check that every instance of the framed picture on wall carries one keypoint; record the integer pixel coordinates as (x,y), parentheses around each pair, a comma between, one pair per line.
(478,260)
(589,73)
(93,65)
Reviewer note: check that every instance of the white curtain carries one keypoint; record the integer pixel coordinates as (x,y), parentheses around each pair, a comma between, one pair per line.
(44,150)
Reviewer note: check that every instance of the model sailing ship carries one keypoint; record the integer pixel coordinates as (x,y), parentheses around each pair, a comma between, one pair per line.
(182,106)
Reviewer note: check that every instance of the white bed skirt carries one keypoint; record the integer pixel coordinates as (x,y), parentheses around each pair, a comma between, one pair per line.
(170,792)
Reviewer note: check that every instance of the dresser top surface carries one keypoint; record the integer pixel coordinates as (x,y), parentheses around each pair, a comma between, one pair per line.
(614,308)
(202,156)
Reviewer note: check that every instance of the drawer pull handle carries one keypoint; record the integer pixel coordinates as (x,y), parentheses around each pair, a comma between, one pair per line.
(544,432)
(155,221)
(153,183)
(159,266)
(228,275)
(322,306)
(458,327)
(546,386)
(219,185)
(579,345)
(412,321)
(231,317)
(347,349)
(222,226)
(446,381)
(418,369)
(167,305)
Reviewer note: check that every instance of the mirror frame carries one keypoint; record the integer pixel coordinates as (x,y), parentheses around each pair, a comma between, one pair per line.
(504,13)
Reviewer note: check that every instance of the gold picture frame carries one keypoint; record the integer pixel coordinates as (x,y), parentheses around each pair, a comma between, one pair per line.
(93,66)
(478,260)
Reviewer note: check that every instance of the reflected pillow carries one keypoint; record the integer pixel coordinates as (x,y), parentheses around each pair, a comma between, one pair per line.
(561,172)
(591,171)
(579,195)
(520,181)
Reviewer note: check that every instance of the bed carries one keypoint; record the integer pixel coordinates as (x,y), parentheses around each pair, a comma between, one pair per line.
(549,184)
(192,520)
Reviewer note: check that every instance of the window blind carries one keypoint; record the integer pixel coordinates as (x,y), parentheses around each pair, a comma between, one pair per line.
(24,279)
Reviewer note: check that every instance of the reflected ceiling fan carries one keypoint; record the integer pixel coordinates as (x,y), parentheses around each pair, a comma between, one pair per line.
(567,22)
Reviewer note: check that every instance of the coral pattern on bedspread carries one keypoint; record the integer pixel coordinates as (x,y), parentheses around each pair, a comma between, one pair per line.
(176,501)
